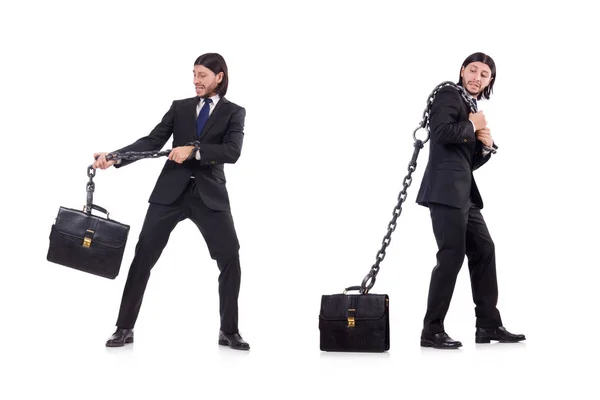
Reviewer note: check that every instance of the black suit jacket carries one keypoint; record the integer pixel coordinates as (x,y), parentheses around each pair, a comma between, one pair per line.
(220,143)
(453,155)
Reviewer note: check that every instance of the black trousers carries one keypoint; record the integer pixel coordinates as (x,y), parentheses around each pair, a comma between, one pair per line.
(218,231)
(460,232)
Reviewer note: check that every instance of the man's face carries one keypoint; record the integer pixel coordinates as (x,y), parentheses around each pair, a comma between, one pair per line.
(206,81)
(476,77)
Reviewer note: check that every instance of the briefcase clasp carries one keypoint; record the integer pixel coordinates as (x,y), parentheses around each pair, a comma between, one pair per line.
(87,241)
(351,322)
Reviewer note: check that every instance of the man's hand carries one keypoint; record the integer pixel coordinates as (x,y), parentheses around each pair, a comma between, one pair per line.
(479,120)
(180,154)
(484,135)
(101,162)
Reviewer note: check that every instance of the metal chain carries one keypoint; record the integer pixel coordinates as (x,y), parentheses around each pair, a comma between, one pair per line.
(426,114)
(90,187)
(127,155)
(138,155)
(369,280)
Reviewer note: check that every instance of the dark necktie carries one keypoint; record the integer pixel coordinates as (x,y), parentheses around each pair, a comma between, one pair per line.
(475,101)
(202,117)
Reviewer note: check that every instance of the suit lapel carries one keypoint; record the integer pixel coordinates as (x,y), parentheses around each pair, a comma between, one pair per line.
(189,119)
(214,116)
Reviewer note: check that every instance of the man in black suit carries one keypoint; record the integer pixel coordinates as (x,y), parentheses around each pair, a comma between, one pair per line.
(461,142)
(191,185)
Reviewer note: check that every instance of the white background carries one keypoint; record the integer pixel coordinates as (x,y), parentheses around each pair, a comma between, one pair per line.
(333,91)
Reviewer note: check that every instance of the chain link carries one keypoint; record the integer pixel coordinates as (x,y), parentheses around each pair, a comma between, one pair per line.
(369,280)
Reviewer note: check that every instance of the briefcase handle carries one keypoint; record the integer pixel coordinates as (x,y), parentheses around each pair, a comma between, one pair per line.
(88,209)
(350,288)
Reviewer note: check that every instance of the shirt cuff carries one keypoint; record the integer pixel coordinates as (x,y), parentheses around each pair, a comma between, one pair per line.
(198,156)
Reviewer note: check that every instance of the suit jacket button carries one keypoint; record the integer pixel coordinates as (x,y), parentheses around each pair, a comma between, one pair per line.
(465,140)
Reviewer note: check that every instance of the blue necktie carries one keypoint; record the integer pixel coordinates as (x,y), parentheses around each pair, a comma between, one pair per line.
(475,101)
(202,117)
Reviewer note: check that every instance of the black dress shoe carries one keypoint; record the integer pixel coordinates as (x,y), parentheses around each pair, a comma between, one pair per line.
(439,341)
(233,340)
(500,334)
(120,337)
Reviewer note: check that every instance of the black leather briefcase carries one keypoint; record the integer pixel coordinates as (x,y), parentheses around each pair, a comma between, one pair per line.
(355,323)
(87,242)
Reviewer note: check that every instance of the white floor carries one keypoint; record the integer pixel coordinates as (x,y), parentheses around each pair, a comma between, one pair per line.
(61,354)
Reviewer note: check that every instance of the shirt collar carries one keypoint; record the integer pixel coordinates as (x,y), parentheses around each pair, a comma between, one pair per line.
(215,99)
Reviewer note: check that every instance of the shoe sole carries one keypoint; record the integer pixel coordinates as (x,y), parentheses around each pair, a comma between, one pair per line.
(480,341)
(127,341)
(226,343)
(428,344)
